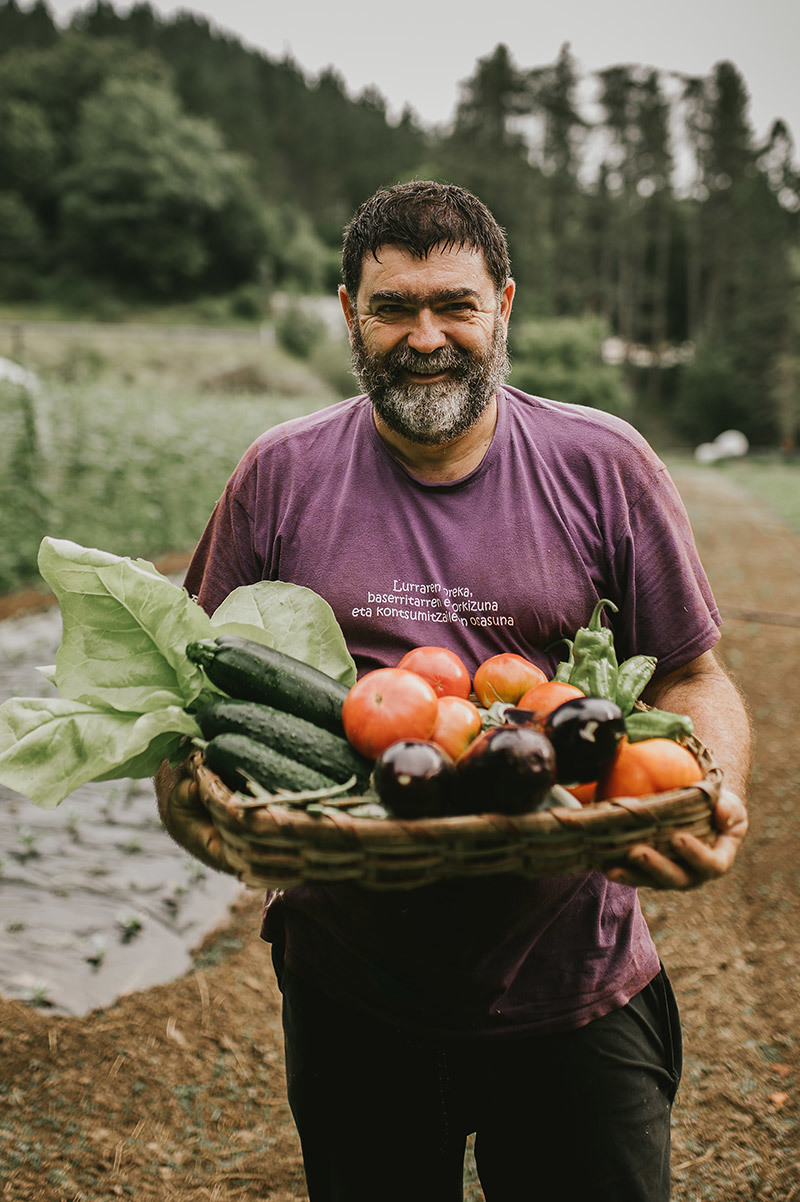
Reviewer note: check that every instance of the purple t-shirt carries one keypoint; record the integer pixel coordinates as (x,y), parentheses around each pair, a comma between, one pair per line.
(568,505)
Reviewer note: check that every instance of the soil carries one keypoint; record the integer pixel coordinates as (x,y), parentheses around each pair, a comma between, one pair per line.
(177,1092)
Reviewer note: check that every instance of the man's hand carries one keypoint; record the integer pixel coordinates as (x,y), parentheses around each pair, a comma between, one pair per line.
(694,862)
(187,819)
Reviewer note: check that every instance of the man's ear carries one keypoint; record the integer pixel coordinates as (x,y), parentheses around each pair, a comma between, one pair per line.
(506,300)
(347,309)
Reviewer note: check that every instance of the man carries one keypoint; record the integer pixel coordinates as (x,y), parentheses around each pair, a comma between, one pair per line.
(443,507)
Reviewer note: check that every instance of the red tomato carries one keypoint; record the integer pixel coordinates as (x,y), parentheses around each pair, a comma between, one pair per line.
(442,669)
(649,766)
(458,722)
(542,699)
(506,677)
(386,705)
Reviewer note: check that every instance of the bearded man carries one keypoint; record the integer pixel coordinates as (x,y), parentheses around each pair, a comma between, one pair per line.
(443,507)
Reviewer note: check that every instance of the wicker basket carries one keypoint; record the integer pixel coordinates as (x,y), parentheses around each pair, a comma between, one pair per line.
(278,846)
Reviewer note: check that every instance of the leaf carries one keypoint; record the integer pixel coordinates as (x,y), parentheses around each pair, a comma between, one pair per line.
(124,680)
(125,628)
(51,746)
(293,619)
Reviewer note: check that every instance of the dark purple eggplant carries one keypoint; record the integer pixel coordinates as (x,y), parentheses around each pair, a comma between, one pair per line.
(506,770)
(585,733)
(412,779)
(514,716)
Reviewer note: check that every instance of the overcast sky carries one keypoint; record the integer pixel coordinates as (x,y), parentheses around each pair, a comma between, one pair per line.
(418,51)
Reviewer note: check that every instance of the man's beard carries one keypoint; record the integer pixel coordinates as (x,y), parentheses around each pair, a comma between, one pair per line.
(431,414)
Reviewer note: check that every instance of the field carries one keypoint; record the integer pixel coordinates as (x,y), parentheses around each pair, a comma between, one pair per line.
(130,438)
(177,1092)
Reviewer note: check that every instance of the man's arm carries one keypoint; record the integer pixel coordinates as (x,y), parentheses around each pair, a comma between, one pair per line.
(186,819)
(703,690)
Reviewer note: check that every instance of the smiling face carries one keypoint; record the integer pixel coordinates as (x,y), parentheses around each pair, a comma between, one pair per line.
(428,338)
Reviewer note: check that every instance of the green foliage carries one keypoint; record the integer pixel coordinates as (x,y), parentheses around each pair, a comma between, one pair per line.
(160,156)
(561,359)
(135,467)
(23,502)
(299,331)
(153,197)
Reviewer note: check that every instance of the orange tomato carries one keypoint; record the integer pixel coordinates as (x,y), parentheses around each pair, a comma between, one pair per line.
(649,766)
(542,699)
(444,671)
(506,677)
(386,705)
(458,722)
(585,794)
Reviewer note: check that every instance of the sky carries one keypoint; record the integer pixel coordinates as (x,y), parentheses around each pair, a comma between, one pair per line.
(416,53)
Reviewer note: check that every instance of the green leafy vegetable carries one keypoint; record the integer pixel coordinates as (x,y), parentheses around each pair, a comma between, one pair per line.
(49,747)
(125,627)
(294,620)
(125,684)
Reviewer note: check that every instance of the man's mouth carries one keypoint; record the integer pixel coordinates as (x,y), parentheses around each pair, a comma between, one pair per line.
(426,377)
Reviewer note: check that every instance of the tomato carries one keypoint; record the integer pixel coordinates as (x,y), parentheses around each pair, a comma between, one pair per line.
(458,722)
(583,793)
(542,699)
(442,668)
(649,766)
(386,705)
(506,677)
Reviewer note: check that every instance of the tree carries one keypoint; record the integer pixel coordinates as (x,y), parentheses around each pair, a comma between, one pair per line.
(30,27)
(153,200)
(486,151)
(553,93)
(742,228)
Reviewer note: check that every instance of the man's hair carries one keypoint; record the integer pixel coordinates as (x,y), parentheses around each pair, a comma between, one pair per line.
(419,216)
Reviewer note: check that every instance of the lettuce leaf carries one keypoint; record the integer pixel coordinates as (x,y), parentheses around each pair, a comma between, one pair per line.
(125,629)
(125,685)
(51,746)
(294,620)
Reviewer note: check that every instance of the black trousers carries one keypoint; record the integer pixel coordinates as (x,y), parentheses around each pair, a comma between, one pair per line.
(383,1114)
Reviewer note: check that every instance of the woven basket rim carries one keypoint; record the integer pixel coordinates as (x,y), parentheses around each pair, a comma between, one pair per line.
(234,811)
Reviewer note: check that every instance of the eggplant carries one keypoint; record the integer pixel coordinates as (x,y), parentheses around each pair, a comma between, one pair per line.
(506,770)
(585,733)
(412,779)
(514,716)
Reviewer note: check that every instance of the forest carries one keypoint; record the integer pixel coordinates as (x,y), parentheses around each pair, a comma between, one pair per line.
(154,160)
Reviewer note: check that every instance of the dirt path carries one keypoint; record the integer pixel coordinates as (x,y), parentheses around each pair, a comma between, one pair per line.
(177,1092)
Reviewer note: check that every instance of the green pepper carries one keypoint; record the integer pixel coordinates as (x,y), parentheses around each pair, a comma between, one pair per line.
(633,675)
(657,724)
(562,672)
(595,668)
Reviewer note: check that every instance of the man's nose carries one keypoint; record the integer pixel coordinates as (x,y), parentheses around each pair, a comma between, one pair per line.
(426,334)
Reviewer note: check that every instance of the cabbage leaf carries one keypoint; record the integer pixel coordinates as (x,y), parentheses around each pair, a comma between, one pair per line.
(125,685)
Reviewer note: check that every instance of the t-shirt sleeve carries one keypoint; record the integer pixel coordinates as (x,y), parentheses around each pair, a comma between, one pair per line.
(225,557)
(667,608)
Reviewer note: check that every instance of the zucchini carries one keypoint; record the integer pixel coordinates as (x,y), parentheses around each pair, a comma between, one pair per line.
(236,757)
(292,736)
(250,671)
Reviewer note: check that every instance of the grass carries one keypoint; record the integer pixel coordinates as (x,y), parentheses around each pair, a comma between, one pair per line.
(773,480)
(129,441)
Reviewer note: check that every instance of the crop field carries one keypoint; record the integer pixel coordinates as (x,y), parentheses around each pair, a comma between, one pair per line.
(127,441)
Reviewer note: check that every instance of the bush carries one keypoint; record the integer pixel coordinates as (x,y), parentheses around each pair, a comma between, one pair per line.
(561,358)
(298,331)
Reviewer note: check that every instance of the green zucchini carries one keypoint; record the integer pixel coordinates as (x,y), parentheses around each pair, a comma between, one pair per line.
(234,758)
(294,737)
(250,671)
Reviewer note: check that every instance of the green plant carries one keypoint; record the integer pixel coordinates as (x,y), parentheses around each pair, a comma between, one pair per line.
(561,359)
(299,331)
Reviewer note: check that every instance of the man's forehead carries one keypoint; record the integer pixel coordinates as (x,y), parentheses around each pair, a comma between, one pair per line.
(444,268)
